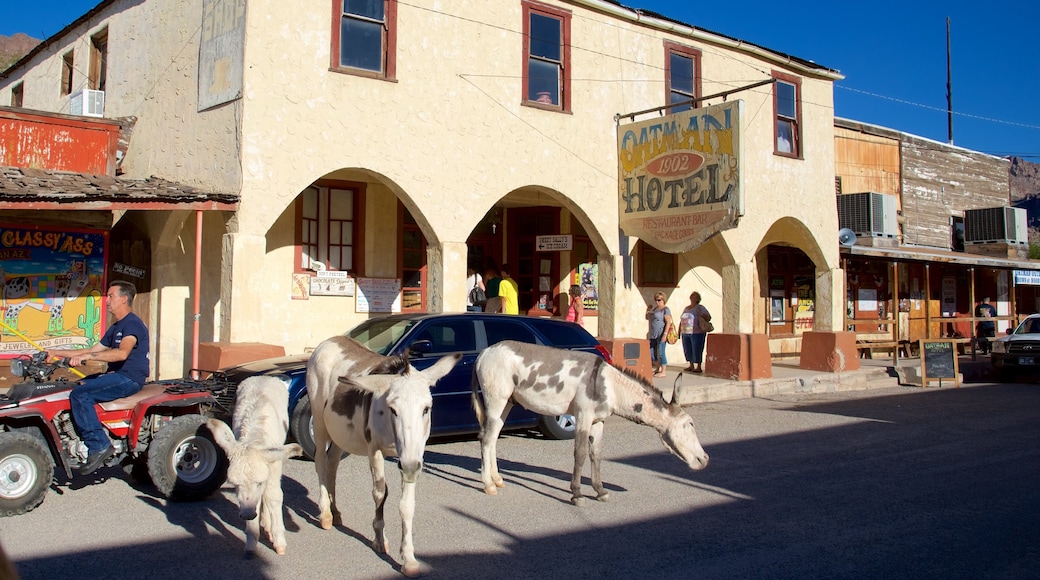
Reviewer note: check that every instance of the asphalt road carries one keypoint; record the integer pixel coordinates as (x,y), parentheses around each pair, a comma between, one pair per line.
(889,483)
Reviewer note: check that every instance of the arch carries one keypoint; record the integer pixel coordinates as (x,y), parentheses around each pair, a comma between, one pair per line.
(793,232)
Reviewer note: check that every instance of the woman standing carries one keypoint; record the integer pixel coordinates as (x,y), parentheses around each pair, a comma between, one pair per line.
(576,310)
(693,333)
(660,318)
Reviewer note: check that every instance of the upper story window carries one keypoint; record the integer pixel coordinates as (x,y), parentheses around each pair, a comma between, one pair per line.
(17,94)
(364,37)
(327,229)
(67,65)
(547,52)
(98,60)
(682,74)
(787,109)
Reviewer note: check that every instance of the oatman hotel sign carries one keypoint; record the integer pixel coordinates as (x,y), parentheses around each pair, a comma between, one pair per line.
(679,177)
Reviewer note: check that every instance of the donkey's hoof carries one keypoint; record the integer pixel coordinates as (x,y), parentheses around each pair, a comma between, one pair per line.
(605,496)
(578,500)
(411,569)
(491,490)
(380,546)
(326,523)
(499,483)
(280,550)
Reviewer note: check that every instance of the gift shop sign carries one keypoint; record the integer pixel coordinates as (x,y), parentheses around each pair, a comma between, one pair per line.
(679,176)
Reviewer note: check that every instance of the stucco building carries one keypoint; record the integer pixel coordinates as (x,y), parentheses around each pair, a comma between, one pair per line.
(399,143)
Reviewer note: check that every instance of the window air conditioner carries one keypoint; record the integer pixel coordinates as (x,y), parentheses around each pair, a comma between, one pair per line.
(868,214)
(996,225)
(87,103)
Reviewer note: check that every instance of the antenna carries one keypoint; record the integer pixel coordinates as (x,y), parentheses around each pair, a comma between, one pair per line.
(846,237)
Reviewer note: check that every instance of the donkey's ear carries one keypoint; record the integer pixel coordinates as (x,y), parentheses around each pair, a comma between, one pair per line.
(391,365)
(676,389)
(442,367)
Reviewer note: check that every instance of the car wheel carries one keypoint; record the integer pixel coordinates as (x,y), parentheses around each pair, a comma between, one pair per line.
(557,426)
(26,470)
(184,461)
(301,426)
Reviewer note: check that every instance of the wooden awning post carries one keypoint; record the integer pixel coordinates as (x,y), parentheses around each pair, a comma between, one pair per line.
(971,304)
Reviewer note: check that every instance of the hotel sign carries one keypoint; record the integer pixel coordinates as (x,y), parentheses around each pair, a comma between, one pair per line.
(679,176)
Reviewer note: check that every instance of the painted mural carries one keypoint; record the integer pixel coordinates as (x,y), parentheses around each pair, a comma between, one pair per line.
(52,288)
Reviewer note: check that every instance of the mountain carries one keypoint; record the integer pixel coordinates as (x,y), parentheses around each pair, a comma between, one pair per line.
(1024,179)
(15,47)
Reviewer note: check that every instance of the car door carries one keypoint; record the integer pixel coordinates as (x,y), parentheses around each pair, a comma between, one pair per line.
(452,408)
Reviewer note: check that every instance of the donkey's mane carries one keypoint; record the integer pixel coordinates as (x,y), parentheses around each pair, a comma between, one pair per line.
(642,381)
(391,365)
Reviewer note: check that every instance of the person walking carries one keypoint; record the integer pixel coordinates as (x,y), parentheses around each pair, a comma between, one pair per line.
(510,292)
(576,309)
(660,318)
(985,329)
(693,332)
(125,347)
(474,281)
(492,284)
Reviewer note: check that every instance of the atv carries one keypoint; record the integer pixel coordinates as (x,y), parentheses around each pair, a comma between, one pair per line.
(158,433)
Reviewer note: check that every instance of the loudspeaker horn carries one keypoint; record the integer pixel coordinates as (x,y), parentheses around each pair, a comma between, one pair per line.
(846,237)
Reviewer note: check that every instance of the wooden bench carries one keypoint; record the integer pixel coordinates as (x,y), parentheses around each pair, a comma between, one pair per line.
(866,347)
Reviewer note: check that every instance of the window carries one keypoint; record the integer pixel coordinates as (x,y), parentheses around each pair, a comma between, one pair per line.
(682,76)
(656,268)
(98,60)
(17,94)
(546,73)
(499,330)
(412,263)
(327,228)
(364,37)
(66,73)
(787,108)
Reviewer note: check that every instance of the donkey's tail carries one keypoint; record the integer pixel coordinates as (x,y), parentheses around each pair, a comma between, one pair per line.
(478,400)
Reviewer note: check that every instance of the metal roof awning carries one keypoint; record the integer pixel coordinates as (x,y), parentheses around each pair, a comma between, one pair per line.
(937,255)
(25,188)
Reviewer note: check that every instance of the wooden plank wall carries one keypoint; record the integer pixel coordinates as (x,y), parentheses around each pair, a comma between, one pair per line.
(941,181)
(866,162)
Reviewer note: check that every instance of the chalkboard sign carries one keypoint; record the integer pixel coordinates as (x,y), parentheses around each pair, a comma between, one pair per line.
(939,361)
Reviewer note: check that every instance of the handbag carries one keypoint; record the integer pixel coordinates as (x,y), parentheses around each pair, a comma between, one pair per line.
(672,337)
(477,297)
(708,326)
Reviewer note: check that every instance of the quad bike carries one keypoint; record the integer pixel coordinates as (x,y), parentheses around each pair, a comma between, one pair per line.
(158,433)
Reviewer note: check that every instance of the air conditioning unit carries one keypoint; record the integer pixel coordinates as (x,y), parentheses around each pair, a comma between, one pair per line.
(87,103)
(868,214)
(1006,225)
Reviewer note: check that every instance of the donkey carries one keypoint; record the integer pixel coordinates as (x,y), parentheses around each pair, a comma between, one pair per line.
(255,453)
(366,403)
(553,381)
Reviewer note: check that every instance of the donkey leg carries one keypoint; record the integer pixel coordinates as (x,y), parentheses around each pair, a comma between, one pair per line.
(375,462)
(253,532)
(595,446)
(494,419)
(272,503)
(409,565)
(581,450)
(327,464)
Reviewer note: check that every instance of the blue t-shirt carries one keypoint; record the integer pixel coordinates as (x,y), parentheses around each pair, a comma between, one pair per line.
(136,365)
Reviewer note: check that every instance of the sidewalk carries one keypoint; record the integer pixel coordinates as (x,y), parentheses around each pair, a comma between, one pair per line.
(788,378)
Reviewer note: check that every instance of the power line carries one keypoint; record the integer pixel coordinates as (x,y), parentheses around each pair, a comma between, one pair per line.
(932,108)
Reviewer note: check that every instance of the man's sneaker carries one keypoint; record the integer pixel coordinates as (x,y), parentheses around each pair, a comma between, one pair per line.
(96,460)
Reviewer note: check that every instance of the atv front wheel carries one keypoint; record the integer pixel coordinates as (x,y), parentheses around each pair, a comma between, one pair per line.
(26,470)
(184,461)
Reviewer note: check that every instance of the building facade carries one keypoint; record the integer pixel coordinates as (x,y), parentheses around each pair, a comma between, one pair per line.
(379,151)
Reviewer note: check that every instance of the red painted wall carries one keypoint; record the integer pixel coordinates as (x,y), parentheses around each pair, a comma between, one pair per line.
(38,140)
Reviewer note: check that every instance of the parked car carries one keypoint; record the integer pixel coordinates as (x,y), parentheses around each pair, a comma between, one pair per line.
(428,337)
(1018,350)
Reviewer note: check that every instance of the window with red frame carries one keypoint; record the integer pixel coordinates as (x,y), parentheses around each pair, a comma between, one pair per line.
(656,268)
(787,109)
(364,37)
(412,264)
(547,50)
(682,74)
(327,230)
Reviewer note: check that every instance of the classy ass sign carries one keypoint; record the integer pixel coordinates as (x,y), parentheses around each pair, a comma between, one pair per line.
(679,178)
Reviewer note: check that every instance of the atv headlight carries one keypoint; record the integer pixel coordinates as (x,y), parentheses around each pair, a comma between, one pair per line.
(17,367)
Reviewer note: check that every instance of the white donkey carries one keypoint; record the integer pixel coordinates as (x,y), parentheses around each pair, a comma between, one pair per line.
(256,450)
(553,381)
(360,409)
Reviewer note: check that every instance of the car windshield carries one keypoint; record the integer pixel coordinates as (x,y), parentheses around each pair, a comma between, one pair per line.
(1029,326)
(381,335)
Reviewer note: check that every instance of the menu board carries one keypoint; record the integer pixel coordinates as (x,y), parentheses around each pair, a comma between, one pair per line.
(378,295)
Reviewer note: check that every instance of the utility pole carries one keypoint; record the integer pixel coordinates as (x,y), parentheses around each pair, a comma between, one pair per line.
(949,85)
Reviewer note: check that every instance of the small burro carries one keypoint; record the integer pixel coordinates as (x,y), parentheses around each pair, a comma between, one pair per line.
(553,381)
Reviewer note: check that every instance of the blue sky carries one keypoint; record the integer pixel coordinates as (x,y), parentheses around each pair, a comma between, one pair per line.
(893,56)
